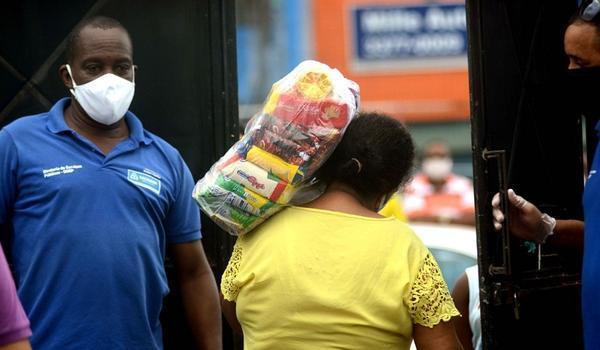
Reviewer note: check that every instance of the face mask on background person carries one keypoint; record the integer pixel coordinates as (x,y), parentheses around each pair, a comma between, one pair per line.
(437,168)
(105,99)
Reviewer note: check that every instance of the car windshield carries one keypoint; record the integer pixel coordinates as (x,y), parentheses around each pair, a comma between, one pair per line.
(452,264)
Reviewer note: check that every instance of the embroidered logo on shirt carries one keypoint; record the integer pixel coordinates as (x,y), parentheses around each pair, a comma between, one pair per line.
(61,170)
(144,180)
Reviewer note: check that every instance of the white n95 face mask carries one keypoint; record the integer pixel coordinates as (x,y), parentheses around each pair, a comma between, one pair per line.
(105,99)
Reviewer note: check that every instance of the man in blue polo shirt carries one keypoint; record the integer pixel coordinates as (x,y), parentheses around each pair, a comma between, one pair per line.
(93,201)
(582,46)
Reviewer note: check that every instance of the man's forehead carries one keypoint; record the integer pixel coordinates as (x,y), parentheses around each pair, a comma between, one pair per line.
(582,42)
(581,33)
(94,40)
(437,149)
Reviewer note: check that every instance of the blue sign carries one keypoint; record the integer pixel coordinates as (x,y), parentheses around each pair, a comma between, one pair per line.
(398,33)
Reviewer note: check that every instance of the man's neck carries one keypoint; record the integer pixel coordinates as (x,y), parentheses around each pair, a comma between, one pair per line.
(106,137)
(438,184)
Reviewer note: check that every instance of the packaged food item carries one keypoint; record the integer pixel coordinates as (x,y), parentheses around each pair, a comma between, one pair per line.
(235,221)
(291,151)
(258,180)
(293,144)
(224,190)
(239,217)
(273,164)
(221,197)
(313,99)
(326,113)
(302,120)
(231,205)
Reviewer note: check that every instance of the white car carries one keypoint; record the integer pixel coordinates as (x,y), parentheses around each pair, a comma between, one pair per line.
(453,246)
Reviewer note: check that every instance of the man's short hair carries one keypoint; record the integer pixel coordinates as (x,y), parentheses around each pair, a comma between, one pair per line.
(101,22)
(579,18)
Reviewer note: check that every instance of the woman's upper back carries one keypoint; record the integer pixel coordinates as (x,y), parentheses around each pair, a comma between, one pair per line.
(311,278)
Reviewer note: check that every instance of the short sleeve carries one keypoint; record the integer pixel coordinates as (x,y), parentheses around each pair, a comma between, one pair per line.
(8,175)
(430,301)
(230,286)
(183,220)
(14,325)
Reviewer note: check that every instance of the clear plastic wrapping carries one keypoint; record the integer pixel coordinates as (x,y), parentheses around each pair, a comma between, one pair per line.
(301,122)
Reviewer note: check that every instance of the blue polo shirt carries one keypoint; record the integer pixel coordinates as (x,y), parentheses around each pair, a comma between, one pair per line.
(591,255)
(89,231)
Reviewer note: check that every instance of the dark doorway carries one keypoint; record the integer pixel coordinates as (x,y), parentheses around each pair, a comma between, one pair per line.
(520,106)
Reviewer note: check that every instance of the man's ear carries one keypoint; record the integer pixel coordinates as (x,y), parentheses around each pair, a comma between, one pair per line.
(65,77)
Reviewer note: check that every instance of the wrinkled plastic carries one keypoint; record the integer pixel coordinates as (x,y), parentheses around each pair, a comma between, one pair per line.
(301,122)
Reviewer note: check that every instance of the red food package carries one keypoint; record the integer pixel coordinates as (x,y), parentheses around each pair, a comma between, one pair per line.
(324,113)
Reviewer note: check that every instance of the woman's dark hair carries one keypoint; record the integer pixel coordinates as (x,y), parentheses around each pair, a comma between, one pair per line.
(374,157)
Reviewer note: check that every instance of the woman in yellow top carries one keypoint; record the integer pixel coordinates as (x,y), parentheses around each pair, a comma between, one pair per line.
(334,274)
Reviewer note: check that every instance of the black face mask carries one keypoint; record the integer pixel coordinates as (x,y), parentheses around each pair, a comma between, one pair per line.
(583,85)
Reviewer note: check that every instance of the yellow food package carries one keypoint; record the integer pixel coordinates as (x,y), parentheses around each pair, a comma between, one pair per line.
(274,164)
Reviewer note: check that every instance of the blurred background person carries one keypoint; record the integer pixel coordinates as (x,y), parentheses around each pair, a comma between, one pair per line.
(14,325)
(436,194)
(335,274)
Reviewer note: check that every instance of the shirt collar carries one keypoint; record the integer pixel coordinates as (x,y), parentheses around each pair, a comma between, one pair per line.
(136,129)
(57,124)
(56,120)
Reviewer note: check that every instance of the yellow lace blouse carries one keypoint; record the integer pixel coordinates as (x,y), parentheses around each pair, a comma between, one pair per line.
(316,279)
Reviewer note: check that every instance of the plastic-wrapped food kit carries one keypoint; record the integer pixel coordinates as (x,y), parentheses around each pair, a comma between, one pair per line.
(301,122)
